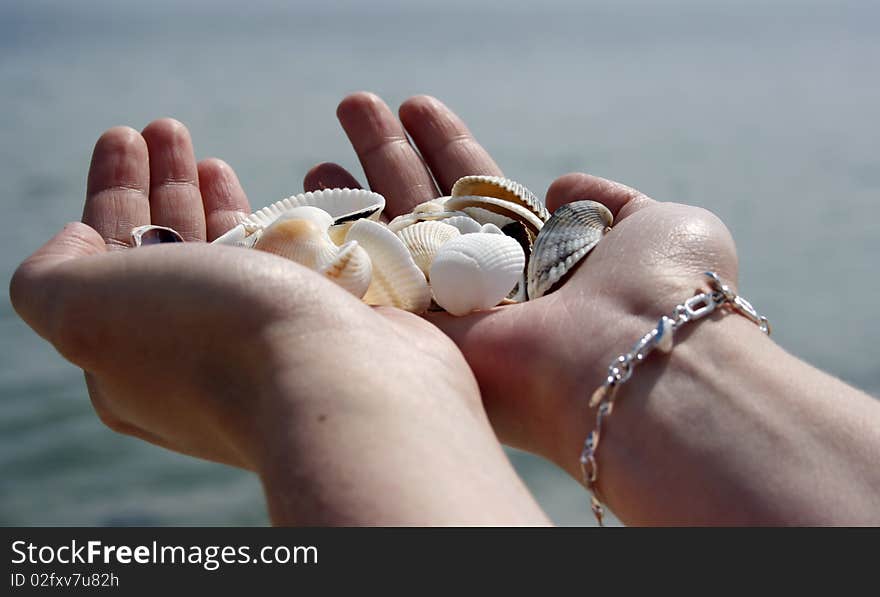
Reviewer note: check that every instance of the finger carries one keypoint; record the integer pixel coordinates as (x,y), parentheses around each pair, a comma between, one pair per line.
(225,202)
(622,200)
(445,142)
(175,200)
(392,166)
(118,186)
(33,292)
(328,175)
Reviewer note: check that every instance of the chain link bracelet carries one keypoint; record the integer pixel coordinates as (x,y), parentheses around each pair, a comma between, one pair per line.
(660,338)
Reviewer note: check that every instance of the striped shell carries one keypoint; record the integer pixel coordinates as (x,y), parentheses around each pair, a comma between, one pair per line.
(567,237)
(500,188)
(491,210)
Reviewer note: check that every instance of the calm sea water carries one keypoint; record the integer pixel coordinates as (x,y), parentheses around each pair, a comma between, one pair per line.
(766,113)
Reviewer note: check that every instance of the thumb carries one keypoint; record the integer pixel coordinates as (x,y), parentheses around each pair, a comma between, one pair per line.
(34,289)
(622,200)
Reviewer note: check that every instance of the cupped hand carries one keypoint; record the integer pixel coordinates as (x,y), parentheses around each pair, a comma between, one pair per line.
(538,362)
(249,359)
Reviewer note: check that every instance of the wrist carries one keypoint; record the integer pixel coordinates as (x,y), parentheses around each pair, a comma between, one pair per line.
(668,420)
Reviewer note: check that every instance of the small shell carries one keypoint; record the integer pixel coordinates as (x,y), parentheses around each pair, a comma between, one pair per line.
(350,269)
(572,231)
(464,223)
(490,229)
(475,271)
(300,235)
(342,204)
(423,212)
(486,210)
(397,280)
(500,188)
(424,239)
(337,232)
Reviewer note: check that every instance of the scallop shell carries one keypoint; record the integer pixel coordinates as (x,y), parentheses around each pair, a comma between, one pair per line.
(500,188)
(397,280)
(424,239)
(342,204)
(464,223)
(486,210)
(476,271)
(571,233)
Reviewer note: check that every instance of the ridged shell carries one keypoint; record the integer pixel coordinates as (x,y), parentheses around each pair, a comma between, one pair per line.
(423,212)
(485,209)
(424,239)
(567,237)
(342,205)
(500,188)
(464,223)
(300,235)
(351,269)
(475,271)
(397,280)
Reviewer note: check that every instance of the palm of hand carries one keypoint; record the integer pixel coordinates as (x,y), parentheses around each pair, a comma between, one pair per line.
(179,341)
(535,361)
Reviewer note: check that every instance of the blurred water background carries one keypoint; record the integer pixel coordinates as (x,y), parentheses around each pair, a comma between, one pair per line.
(764,112)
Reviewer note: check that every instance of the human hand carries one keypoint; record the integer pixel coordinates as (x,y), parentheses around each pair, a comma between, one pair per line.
(537,362)
(242,357)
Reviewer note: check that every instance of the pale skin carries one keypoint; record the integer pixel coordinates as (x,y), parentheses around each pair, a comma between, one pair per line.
(729,429)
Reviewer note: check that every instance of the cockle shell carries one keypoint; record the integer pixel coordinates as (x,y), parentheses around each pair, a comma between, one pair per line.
(424,239)
(301,236)
(397,280)
(567,237)
(464,223)
(475,271)
(423,212)
(298,239)
(351,269)
(500,188)
(342,204)
(486,209)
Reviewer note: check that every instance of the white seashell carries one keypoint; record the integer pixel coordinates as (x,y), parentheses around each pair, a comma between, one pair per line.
(342,205)
(486,210)
(337,232)
(490,229)
(475,271)
(464,223)
(350,268)
(423,212)
(397,280)
(424,239)
(300,236)
(567,237)
(500,188)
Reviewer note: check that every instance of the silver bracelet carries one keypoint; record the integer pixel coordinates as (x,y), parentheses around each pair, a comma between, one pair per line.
(621,369)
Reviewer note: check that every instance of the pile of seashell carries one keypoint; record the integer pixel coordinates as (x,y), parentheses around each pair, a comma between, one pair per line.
(491,242)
